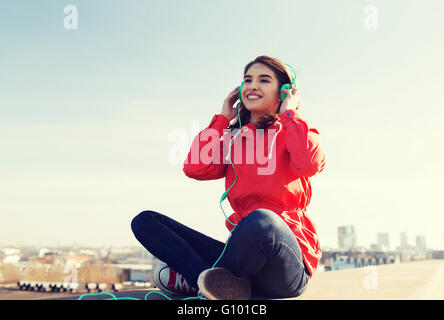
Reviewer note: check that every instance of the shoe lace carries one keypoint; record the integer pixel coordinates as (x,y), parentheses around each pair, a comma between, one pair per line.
(182,284)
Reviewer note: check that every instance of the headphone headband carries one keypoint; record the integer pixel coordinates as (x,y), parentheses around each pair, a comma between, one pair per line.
(293,78)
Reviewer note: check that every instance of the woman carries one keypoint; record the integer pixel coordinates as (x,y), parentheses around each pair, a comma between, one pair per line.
(273,249)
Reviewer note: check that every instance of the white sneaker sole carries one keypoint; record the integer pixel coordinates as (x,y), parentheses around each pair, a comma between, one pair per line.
(156,279)
(221,284)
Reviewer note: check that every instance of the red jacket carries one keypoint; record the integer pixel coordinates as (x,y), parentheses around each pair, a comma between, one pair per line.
(280,184)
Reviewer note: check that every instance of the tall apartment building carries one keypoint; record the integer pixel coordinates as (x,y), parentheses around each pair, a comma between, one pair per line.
(383,241)
(346,237)
(421,244)
(404,244)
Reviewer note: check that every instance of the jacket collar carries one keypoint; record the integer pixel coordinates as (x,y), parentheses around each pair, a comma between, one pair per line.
(253,127)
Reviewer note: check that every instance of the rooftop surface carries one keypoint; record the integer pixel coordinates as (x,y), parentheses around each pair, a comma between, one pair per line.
(409,280)
(401,281)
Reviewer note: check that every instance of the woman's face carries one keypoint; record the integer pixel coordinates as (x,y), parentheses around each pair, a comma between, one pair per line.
(260,92)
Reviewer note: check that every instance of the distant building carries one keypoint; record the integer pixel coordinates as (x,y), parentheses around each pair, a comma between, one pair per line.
(346,237)
(443,240)
(404,244)
(11,259)
(438,254)
(134,272)
(10,251)
(44,252)
(383,241)
(118,255)
(77,260)
(338,260)
(10,256)
(421,244)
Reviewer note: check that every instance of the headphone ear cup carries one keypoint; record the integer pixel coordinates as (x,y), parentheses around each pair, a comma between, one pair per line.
(240,91)
(285,86)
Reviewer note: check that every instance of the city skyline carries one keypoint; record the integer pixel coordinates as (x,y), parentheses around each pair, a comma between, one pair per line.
(348,236)
(410,242)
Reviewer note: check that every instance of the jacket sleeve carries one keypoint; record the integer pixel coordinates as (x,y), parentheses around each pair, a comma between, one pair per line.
(303,143)
(205,158)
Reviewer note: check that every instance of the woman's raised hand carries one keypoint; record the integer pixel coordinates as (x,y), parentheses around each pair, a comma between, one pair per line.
(292,101)
(227,109)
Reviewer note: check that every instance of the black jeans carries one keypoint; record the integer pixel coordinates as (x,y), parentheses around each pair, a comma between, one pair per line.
(262,247)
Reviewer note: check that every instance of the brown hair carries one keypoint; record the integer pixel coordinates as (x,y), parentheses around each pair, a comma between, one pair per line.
(283,76)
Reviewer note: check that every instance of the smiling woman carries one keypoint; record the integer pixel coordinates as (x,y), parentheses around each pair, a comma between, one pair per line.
(273,248)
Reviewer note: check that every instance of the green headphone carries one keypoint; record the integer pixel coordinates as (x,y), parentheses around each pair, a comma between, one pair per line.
(285,86)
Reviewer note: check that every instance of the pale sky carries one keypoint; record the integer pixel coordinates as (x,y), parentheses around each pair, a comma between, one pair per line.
(85,114)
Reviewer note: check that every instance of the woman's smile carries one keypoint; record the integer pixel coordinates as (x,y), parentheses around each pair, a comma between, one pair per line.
(253,97)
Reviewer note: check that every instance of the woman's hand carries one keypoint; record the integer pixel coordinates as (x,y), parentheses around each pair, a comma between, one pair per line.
(227,110)
(291,101)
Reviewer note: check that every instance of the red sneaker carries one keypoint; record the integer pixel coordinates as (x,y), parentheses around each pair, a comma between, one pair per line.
(172,282)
